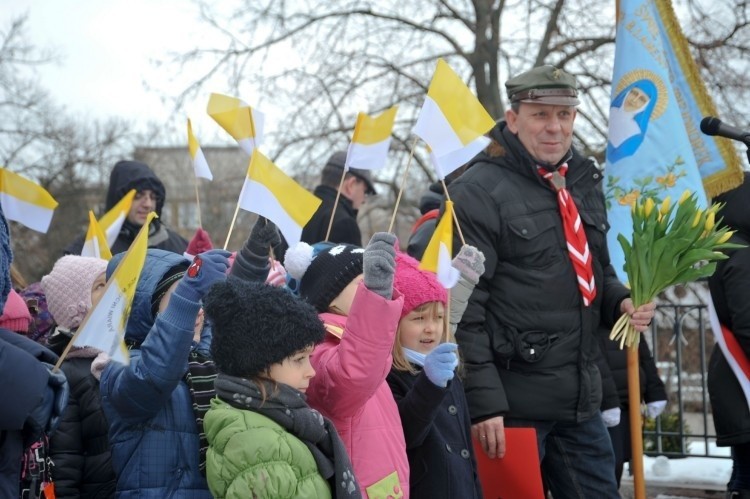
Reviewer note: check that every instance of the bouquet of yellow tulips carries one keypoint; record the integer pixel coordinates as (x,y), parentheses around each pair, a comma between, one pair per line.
(672,244)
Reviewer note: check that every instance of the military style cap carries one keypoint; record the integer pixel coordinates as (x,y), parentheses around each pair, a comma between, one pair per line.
(544,85)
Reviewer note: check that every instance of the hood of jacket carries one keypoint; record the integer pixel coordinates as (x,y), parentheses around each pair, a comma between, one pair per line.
(128,175)
(157,264)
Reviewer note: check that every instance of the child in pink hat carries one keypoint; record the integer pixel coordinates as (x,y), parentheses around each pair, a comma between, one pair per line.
(430,397)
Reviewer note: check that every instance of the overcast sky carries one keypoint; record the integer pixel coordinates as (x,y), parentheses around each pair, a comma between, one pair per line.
(106,48)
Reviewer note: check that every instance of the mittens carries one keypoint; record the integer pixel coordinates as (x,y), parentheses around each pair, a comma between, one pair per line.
(655,408)
(263,236)
(277,275)
(470,262)
(440,364)
(251,262)
(611,417)
(206,269)
(379,264)
(46,416)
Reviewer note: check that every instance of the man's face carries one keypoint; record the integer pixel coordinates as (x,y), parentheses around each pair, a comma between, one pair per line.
(546,131)
(355,189)
(144,203)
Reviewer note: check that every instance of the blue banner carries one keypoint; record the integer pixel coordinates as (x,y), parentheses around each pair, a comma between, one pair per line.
(655,147)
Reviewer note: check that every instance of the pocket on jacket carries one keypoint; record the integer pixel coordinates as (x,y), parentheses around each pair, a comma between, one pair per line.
(596,226)
(533,240)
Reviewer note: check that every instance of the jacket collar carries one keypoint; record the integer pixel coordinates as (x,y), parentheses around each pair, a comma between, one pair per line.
(327,193)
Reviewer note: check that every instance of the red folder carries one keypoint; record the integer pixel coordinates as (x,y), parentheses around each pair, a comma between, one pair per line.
(515,476)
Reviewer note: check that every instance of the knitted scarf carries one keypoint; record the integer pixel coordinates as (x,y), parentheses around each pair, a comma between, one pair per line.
(287,407)
(200,378)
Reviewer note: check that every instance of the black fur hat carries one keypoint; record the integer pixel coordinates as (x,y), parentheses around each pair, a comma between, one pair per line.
(256,325)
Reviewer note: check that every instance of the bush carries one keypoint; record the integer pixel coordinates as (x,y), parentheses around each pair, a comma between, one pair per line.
(670,444)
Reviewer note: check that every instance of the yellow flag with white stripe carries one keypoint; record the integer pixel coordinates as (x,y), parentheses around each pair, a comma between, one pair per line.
(111,222)
(437,256)
(269,192)
(25,201)
(95,245)
(371,140)
(104,325)
(452,121)
(238,119)
(200,165)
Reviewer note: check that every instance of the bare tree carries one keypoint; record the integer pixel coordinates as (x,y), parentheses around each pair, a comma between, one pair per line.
(320,61)
(69,156)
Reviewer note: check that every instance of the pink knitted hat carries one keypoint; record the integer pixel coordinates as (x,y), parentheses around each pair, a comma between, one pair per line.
(16,316)
(68,288)
(417,286)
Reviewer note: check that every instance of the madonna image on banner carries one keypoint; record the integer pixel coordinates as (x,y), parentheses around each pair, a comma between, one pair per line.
(631,111)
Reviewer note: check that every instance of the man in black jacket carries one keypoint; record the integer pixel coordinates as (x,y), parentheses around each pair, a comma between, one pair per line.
(150,196)
(354,191)
(535,208)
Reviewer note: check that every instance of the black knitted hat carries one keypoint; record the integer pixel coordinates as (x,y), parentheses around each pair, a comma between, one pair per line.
(256,325)
(322,278)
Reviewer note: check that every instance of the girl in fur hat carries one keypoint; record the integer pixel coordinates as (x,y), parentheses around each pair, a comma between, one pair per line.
(430,398)
(352,289)
(264,440)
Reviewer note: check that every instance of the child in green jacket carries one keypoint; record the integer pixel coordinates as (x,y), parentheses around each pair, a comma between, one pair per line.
(264,440)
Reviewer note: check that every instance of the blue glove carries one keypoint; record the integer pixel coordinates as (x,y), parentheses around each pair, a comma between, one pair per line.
(46,416)
(207,268)
(440,364)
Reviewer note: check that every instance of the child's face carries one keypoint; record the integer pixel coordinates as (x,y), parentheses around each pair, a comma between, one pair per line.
(422,329)
(343,302)
(295,371)
(97,289)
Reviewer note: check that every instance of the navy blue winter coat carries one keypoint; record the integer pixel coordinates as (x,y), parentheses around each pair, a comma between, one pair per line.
(437,429)
(153,432)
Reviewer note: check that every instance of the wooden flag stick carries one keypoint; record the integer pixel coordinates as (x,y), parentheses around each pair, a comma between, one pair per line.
(455,218)
(231,226)
(336,203)
(198,202)
(403,182)
(636,432)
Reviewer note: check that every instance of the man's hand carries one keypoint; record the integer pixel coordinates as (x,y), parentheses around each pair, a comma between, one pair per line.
(641,317)
(491,435)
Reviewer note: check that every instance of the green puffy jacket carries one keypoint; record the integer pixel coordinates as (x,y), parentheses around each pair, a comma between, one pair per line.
(251,456)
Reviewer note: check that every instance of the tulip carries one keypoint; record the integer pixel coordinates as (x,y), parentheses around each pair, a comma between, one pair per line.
(684,197)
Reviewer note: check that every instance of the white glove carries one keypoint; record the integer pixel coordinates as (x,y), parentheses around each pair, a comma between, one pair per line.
(653,409)
(611,417)
(99,363)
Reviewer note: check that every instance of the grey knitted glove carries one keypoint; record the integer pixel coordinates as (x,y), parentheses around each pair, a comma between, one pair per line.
(251,262)
(379,264)
(470,262)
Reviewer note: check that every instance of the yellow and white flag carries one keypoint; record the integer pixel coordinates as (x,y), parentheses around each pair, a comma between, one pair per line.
(111,222)
(25,201)
(371,141)
(196,154)
(242,122)
(104,325)
(95,244)
(452,121)
(437,256)
(269,192)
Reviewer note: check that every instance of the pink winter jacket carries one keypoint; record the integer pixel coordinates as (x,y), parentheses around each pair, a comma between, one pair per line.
(350,389)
